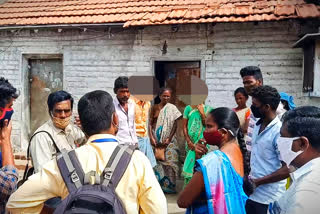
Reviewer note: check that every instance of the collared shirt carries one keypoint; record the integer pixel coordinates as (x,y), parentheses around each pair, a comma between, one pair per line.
(265,159)
(127,129)
(138,188)
(8,184)
(304,193)
(141,117)
(42,148)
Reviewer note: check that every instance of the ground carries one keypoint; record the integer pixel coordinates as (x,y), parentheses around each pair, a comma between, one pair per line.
(172,205)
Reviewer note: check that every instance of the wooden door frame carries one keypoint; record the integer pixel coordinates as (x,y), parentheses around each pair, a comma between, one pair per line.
(25,91)
(180,59)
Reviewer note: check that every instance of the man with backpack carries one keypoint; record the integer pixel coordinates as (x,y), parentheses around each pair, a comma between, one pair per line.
(100,177)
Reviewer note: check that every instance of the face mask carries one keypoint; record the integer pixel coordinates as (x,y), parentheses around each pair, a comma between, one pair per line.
(61,123)
(6,115)
(286,153)
(213,138)
(256,112)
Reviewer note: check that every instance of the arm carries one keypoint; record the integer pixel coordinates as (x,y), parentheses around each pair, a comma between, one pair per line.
(186,135)
(150,132)
(40,150)
(174,129)
(30,197)
(192,191)
(5,142)
(276,176)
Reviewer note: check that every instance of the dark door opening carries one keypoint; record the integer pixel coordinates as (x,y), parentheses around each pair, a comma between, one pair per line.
(168,73)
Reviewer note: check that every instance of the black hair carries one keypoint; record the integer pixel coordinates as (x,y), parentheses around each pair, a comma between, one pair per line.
(58,96)
(228,119)
(267,95)
(242,91)
(252,71)
(7,92)
(304,121)
(120,82)
(95,112)
(163,89)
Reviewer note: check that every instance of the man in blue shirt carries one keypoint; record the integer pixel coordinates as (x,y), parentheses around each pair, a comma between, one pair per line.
(267,171)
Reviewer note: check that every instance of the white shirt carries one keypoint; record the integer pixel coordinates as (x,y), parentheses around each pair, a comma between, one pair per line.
(42,149)
(303,196)
(127,128)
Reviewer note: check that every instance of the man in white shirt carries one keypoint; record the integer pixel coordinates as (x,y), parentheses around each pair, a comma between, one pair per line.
(299,147)
(125,109)
(65,134)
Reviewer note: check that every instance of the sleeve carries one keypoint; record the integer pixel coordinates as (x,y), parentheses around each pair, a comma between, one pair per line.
(151,197)
(275,146)
(186,112)
(30,197)
(79,136)
(8,181)
(41,151)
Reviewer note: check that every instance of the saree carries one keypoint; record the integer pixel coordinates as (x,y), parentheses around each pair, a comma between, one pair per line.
(195,132)
(167,171)
(223,186)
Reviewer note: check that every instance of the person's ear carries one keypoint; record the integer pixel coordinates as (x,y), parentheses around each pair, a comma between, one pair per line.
(304,144)
(223,132)
(259,82)
(267,107)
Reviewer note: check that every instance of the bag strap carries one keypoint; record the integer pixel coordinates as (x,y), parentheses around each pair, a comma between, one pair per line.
(70,170)
(117,165)
(28,151)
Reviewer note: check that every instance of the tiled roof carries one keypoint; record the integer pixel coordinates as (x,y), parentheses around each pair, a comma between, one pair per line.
(150,12)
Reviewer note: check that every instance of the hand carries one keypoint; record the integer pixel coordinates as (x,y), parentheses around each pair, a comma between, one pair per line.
(191,146)
(200,150)
(153,142)
(5,132)
(77,121)
(166,142)
(200,108)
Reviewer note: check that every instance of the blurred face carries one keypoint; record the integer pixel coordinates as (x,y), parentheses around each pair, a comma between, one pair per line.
(249,83)
(165,97)
(123,95)
(62,109)
(241,100)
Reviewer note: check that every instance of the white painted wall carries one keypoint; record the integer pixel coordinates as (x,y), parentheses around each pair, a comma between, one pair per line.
(94,59)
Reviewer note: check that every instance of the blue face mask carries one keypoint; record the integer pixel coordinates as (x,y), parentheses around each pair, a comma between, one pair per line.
(6,115)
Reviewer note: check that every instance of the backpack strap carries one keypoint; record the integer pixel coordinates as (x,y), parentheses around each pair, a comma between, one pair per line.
(117,165)
(25,174)
(70,170)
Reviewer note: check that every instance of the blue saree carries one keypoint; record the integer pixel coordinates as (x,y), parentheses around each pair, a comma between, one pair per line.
(223,186)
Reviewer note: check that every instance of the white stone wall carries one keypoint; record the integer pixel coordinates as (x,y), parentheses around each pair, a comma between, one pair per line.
(95,58)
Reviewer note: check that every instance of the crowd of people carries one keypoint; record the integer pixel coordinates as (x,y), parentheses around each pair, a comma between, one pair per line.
(259,159)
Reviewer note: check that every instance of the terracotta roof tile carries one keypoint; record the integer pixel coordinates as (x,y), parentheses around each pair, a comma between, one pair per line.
(307,11)
(151,12)
(285,10)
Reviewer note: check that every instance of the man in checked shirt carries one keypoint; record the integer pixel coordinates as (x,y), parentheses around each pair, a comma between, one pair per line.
(8,172)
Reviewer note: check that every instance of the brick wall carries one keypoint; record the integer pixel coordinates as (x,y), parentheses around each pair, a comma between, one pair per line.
(95,58)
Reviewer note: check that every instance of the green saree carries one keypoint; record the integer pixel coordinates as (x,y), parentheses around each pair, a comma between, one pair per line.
(195,132)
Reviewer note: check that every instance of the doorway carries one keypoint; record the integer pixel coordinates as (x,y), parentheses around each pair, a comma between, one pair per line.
(45,77)
(168,73)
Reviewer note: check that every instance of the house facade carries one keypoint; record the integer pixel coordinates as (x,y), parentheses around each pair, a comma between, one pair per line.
(80,58)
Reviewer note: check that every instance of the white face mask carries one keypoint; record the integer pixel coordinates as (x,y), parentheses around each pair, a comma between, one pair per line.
(286,153)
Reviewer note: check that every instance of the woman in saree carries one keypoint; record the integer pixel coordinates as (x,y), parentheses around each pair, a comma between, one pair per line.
(243,112)
(216,186)
(194,117)
(162,129)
